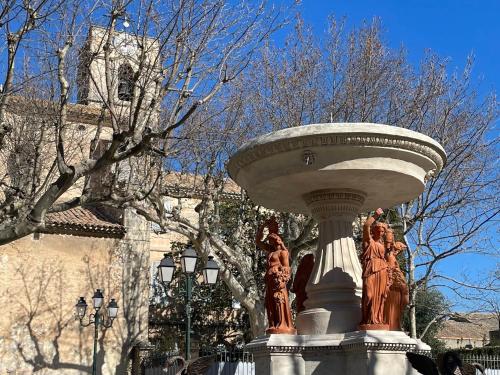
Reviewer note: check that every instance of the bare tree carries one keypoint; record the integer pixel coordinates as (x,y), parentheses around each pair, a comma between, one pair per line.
(180,53)
(346,77)
(225,221)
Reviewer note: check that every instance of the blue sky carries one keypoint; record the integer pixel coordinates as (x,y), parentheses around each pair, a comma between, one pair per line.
(452,29)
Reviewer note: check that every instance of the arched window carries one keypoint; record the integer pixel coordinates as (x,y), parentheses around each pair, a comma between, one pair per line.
(125,82)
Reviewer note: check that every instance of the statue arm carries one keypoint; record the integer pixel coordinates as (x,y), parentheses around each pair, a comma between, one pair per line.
(258,239)
(399,247)
(367,235)
(285,262)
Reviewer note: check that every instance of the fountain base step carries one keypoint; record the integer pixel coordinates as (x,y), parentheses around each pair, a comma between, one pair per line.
(358,352)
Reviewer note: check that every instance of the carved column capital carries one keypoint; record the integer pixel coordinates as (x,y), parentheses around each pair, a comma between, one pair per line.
(334,202)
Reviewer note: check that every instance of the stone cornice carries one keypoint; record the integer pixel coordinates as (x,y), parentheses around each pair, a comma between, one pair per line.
(368,346)
(342,195)
(248,155)
(328,202)
(46,109)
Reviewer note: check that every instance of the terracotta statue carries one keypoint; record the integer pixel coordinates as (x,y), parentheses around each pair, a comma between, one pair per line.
(277,276)
(375,275)
(300,281)
(398,296)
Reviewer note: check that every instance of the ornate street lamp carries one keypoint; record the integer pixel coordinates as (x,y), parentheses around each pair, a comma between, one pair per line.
(97,299)
(81,308)
(210,271)
(112,310)
(188,260)
(188,263)
(96,319)
(166,269)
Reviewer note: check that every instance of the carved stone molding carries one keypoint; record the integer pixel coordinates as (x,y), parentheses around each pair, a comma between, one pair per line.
(339,202)
(257,152)
(379,346)
(369,346)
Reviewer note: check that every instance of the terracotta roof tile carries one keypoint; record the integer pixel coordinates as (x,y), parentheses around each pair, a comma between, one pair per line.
(84,221)
(478,327)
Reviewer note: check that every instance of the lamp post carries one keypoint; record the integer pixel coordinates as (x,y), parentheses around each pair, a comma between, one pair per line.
(96,319)
(189,258)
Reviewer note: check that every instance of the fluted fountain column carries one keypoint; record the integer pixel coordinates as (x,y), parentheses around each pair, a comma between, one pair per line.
(333,302)
(335,171)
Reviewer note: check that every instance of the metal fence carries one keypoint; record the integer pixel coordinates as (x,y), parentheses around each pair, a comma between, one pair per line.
(235,362)
(238,362)
(226,362)
(154,364)
(490,362)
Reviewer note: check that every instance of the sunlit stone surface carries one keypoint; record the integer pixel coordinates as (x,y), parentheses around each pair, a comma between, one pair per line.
(333,172)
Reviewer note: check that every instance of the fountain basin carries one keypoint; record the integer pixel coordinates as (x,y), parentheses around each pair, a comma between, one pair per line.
(334,172)
(388,164)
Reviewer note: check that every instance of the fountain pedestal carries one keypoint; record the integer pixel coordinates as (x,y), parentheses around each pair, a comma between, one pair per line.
(356,353)
(334,288)
(333,172)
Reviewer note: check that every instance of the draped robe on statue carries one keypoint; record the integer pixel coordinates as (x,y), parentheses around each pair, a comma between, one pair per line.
(398,297)
(278,274)
(375,283)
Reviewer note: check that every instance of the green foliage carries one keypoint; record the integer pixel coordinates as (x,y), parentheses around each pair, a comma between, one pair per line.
(238,227)
(430,304)
(214,320)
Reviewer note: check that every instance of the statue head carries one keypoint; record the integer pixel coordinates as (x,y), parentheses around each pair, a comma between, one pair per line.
(389,235)
(378,230)
(273,238)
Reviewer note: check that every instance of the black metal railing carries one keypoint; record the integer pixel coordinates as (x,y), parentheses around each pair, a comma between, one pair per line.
(226,362)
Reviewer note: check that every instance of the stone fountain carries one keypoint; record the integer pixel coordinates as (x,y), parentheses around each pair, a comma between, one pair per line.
(334,172)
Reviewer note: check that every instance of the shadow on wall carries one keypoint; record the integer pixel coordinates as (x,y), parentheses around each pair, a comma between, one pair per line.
(45,334)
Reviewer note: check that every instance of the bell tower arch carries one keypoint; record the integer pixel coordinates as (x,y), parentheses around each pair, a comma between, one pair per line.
(125,55)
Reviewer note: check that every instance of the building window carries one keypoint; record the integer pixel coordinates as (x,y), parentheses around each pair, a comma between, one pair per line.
(125,82)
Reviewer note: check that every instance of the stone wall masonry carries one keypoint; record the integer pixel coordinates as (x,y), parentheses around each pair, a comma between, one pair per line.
(40,282)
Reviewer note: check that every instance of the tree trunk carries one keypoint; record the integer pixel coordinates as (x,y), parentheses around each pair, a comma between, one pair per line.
(413,296)
(258,321)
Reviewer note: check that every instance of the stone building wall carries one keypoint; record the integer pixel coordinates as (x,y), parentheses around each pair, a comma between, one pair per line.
(40,282)
(161,242)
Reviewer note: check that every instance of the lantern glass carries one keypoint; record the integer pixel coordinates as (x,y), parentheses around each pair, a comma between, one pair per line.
(112,309)
(98,298)
(188,260)
(211,271)
(166,269)
(81,308)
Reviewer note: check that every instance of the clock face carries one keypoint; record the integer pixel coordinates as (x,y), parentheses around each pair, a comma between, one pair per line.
(125,43)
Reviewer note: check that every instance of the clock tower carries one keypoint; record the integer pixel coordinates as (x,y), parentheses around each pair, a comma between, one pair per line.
(125,54)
